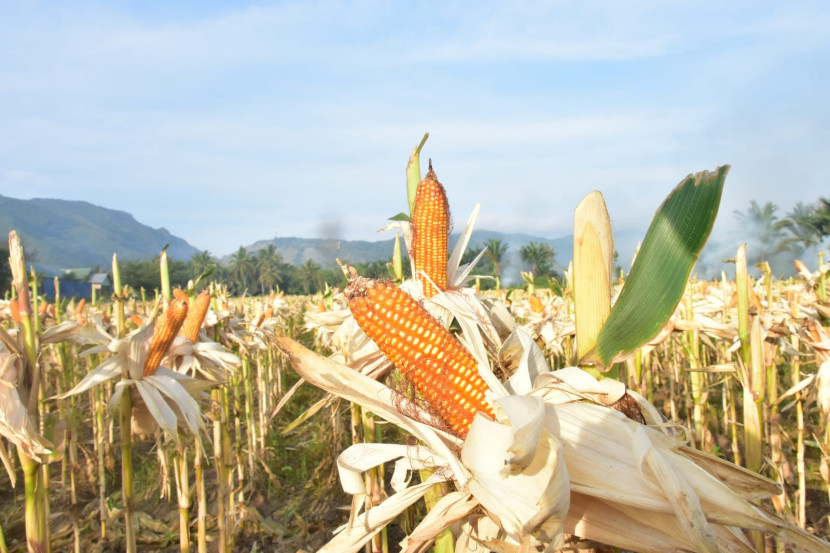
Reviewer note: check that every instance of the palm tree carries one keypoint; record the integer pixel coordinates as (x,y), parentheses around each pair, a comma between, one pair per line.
(201,262)
(800,223)
(821,217)
(495,252)
(762,223)
(269,262)
(311,275)
(538,258)
(470,254)
(241,268)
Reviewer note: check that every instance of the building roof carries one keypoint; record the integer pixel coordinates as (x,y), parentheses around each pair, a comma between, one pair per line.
(81,274)
(100,278)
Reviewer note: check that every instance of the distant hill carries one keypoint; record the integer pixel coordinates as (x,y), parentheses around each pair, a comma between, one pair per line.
(60,233)
(324,251)
(79,234)
(297,251)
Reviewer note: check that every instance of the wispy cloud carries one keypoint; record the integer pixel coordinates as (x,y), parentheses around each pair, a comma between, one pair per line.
(292,115)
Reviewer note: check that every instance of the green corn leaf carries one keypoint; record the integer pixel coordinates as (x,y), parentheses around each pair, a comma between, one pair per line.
(400,217)
(413,172)
(658,277)
(556,287)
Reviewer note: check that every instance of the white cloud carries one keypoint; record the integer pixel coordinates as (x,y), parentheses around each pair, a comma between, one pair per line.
(294,114)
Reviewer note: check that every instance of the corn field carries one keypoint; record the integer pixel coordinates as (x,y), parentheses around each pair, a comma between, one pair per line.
(205,422)
(271,475)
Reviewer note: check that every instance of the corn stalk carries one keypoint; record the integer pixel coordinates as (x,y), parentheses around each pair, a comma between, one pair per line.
(126,410)
(36,498)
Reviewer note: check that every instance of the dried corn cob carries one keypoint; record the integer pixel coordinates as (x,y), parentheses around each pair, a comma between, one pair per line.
(14,307)
(167,326)
(269,312)
(430,233)
(536,304)
(196,316)
(79,312)
(443,372)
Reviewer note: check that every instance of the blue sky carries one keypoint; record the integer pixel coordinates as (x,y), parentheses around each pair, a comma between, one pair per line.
(230,122)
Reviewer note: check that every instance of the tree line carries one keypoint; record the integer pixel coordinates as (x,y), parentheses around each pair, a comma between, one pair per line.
(264,270)
(259,272)
(770,238)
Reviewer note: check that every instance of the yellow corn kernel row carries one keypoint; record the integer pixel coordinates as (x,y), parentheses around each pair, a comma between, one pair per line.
(167,326)
(442,371)
(430,233)
(196,316)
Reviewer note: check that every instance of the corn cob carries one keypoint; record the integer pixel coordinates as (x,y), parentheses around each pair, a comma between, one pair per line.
(79,312)
(196,316)
(166,329)
(430,233)
(536,304)
(442,371)
(269,312)
(14,307)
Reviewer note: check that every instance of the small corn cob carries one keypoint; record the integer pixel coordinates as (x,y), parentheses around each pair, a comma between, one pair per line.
(196,316)
(536,304)
(167,326)
(269,312)
(14,307)
(443,372)
(79,312)
(430,233)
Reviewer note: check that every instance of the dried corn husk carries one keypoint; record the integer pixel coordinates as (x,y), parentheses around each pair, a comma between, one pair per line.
(559,461)
(166,395)
(15,423)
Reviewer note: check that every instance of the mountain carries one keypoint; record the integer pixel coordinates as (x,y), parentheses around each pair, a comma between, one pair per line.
(79,234)
(324,252)
(62,233)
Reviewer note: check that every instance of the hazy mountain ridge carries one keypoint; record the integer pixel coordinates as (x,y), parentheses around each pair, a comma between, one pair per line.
(64,233)
(71,233)
(325,251)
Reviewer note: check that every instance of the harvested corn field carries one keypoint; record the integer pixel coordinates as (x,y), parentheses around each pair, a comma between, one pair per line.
(650,411)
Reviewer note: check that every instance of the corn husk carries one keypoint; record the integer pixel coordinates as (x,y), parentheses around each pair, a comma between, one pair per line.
(559,461)
(166,395)
(15,423)
(559,465)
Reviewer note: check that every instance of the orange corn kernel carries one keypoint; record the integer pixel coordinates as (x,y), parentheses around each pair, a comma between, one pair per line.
(196,316)
(443,372)
(430,233)
(167,326)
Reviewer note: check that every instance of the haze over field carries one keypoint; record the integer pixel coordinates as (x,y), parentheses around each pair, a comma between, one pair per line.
(228,123)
